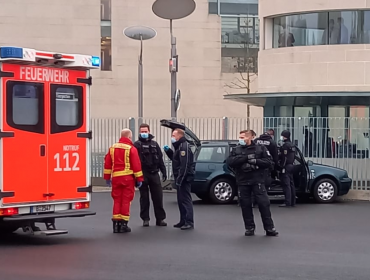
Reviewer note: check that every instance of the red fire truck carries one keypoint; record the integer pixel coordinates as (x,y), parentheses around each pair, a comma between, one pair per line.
(45,138)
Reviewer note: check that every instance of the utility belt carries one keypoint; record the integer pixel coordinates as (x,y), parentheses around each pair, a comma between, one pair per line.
(150,171)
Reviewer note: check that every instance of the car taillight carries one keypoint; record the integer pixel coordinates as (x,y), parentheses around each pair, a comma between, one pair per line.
(8,211)
(81,205)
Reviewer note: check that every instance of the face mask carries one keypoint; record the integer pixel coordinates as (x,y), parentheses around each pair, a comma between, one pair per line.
(173,140)
(242,142)
(144,135)
(281,138)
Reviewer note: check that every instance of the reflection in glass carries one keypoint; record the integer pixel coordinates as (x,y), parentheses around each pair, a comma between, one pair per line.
(239,44)
(25,105)
(300,30)
(105,9)
(66,107)
(325,28)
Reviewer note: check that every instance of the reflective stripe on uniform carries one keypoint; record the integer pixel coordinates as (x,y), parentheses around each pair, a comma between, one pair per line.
(117,217)
(138,174)
(107,171)
(125,218)
(127,159)
(122,173)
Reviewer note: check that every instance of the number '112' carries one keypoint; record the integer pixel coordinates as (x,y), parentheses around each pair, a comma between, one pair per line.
(67,167)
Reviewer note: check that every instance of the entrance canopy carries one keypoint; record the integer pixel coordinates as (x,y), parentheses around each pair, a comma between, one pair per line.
(303,98)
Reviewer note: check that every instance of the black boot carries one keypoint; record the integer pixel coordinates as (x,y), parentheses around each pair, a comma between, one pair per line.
(124,227)
(272,232)
(249,232)
(179,225)
(116,226)
(161,223)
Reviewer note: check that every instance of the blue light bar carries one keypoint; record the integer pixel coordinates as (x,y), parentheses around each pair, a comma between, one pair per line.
(11,52)
(95,61)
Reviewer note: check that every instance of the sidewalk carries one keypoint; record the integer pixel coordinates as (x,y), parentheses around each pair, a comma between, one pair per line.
(167,189)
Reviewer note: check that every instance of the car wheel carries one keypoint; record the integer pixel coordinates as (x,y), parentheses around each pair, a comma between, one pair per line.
(325,191)
(222,191)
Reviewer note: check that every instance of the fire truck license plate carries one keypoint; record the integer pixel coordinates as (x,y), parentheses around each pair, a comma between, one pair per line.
(43,208)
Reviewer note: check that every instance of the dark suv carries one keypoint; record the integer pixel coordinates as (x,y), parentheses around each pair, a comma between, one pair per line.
(216,182)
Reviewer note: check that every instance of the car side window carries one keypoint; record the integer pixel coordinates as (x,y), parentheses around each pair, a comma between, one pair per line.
(212,154)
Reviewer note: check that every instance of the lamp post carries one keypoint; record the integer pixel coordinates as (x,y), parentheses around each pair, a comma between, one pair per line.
(140,33)
(171,10)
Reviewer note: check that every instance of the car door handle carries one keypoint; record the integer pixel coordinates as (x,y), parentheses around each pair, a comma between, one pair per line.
(42,150)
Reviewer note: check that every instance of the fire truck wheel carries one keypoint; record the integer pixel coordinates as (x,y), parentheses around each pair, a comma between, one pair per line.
(8,229)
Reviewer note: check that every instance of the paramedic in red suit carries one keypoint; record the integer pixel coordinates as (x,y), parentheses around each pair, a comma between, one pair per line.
(122,171)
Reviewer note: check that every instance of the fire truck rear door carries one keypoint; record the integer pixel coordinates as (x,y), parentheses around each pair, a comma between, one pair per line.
(67,150)
(23,142)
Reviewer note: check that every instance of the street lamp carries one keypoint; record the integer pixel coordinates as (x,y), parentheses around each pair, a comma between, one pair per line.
(140,33)
(171,10)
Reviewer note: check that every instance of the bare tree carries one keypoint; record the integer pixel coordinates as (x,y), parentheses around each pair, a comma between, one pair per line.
(246,66)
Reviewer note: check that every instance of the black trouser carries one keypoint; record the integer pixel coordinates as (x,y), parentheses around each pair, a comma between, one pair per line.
(287,183)
(153,184)
(185,203)
(246,192)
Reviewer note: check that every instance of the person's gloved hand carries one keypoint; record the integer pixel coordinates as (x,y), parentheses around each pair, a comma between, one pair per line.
(252,161)
(108,182)
(166,148)
(164,178)
(139,184)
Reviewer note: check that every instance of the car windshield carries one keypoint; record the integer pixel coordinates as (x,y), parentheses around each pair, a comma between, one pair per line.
(212,154)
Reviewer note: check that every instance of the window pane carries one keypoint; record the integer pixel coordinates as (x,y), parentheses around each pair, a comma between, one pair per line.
(25,105)
(67,107)
(239,44)
(212,154)
(300,30)
(343,27)
(365,34)
(239,7)
(106,54)
(105,9)
(212,7)
(359,131)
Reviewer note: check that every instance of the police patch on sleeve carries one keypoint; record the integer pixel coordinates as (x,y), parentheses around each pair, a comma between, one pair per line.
(285,152)
(183,153)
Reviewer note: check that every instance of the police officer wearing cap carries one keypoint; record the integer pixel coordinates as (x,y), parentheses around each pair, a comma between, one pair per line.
(287,155)
(151,161)
(250,163)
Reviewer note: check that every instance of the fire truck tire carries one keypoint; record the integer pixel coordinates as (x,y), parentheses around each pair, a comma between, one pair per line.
(8,229)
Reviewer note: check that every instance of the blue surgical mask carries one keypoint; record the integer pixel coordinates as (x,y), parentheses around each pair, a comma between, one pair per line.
(173,140)
(282,138)
(144,135)
(242,142)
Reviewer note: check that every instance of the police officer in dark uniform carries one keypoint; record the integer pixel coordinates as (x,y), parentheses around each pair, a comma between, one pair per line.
(287,155)
(250,162)
(267,141)
(151,162)
(183,167)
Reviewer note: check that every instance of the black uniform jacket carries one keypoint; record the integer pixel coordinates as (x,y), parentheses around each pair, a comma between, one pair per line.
(183,165)
(287,153)
(267,141)
(151,156)
(250,163)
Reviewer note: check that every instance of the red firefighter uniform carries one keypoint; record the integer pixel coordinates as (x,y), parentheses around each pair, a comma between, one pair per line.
(122,164)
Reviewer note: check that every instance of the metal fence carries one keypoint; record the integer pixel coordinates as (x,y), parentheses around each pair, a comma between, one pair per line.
(338,142)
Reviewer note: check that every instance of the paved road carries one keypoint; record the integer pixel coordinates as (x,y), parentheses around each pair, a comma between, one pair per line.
(316,242)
